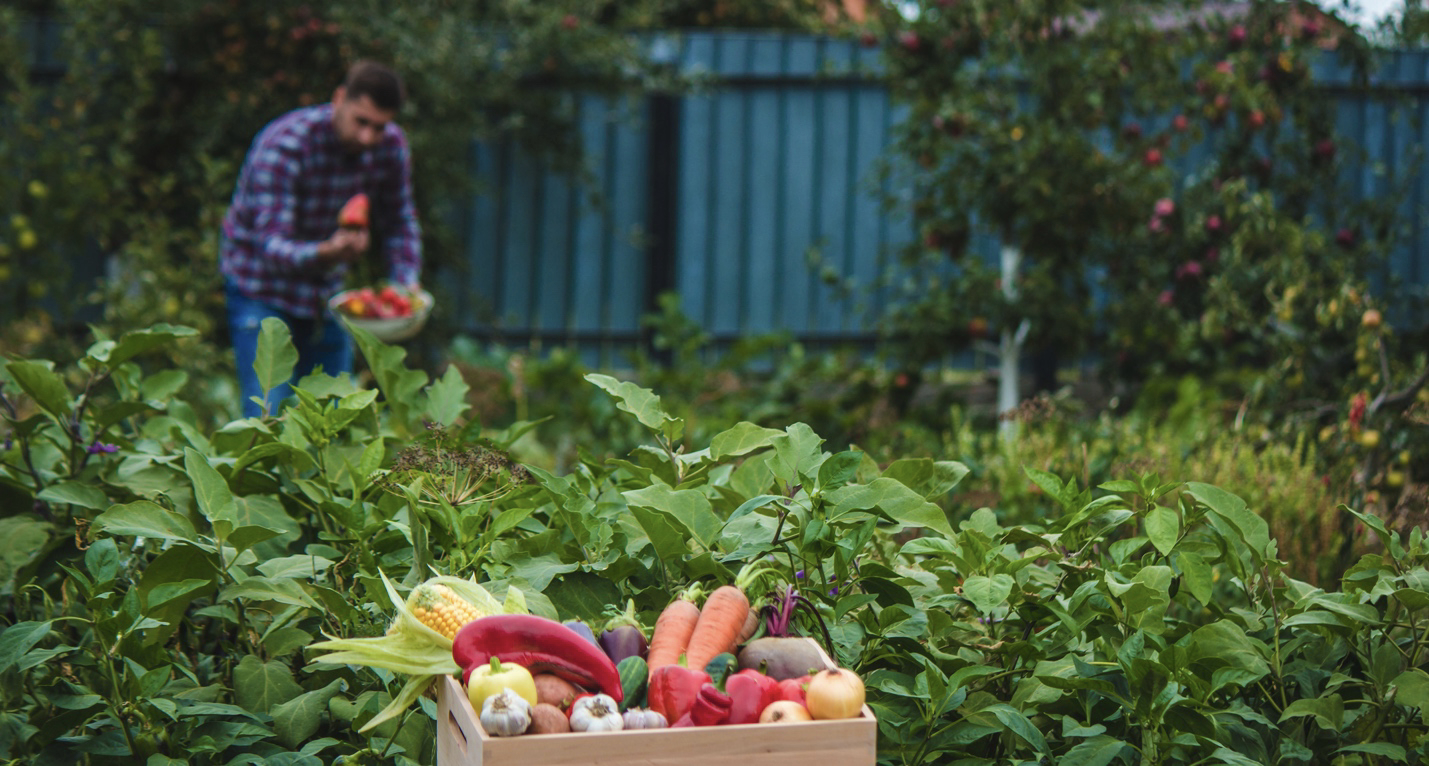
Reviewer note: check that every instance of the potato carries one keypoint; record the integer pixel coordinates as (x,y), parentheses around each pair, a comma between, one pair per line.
(554,690)
(548,719)
(781,658)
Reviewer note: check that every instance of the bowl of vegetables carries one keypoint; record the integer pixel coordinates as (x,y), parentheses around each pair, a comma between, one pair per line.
(392,314)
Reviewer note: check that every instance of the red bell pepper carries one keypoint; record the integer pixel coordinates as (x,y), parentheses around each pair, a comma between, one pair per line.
(673,689)
(793,689)
(540,645)
(711,707)
(751,692)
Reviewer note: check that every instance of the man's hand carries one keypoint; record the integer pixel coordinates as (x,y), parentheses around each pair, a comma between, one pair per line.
(344,246)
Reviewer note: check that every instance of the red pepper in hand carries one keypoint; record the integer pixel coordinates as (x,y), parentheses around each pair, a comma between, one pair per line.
(750,692)
(673,689)
(711,708)
(793,689)
(538,644)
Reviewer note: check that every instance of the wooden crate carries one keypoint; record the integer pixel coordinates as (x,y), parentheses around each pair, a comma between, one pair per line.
(462,742)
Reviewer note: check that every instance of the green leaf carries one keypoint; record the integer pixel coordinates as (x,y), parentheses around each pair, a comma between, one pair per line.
(162,385)
(1065,494)
(215,499)
(245,537)
(261,686)
(690,507)
(1386,749)
(583,596)
(741,439)
(102,560)
(895,500)
(1255,533)
(539,571)
(1328,711)
(293,457)
(754,504)
(987,593)
(306,566)
(1097,751)
(136,342)
(400,386)
(640,402)
(840,469)
(19,639)
(298,719)
(667,539)
(43,384)
(1163,528)
(276,357)
(76,494)
(929,478)
(1413,690)
(283,591)
(1016,723)
(446,397)
(143,518)
(1196,575)
(797,452)
(1227,755)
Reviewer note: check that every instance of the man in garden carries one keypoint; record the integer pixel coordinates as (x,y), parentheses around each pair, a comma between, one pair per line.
(282,252)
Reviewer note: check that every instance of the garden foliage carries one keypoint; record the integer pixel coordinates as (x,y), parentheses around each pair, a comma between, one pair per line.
(1172,175)
(163,579)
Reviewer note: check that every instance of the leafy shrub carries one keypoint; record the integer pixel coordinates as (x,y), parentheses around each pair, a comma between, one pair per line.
(164,579)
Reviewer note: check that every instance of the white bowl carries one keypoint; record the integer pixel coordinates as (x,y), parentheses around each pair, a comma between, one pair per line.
(392,330)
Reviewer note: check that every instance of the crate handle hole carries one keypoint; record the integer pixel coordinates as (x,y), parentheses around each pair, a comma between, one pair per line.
(457,732)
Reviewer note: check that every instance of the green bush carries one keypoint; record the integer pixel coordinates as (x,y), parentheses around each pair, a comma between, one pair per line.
(165,579)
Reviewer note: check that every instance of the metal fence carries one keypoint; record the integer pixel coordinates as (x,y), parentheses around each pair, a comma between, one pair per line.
(718,196)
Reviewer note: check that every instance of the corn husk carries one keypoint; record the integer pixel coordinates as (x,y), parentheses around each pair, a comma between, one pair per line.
(410,647)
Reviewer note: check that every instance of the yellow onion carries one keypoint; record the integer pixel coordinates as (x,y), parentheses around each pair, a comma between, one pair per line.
(834,693)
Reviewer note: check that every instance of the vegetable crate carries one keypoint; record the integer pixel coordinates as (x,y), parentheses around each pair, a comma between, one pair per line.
(462,742)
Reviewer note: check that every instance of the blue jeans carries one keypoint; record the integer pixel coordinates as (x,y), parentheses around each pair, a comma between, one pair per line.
(322,342)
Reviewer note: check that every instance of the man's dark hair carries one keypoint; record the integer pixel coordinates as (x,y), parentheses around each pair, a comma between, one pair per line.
(377,82)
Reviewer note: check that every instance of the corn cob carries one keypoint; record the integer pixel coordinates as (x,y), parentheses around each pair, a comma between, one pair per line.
(441,609)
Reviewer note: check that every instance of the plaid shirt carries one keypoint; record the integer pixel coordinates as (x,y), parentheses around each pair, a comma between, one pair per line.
(295,179)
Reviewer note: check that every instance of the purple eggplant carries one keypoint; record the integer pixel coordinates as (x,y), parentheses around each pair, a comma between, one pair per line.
(583,629)
(624,641)
(624,636)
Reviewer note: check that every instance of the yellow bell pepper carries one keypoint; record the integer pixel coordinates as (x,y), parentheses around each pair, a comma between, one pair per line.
(489,680)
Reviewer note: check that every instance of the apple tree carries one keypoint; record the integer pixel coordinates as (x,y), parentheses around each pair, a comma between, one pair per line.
(1025,122)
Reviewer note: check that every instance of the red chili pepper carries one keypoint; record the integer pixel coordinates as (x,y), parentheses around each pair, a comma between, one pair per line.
(673,689)
(538,644)
(711,707)
(793,689)
(750,692)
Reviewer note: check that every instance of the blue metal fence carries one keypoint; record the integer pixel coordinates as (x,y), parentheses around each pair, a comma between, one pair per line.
(770,161)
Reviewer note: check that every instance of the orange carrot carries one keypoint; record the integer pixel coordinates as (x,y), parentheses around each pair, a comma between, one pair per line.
(672,631)
(720,621)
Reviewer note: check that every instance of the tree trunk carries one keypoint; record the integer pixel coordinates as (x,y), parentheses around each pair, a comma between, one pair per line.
(1010,351)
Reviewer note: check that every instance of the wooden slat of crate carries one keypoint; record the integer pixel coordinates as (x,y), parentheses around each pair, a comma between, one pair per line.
(462,742)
